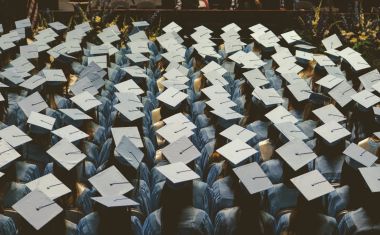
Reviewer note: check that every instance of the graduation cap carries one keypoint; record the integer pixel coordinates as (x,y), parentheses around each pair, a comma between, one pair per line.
(312,185)
(14,76)
(172,27)
(7,154)
(177,66)
(57,26)
(108,36)
(237,132)
(140,24)
(128,97)
(370,79)
(256,78)
(291,37)
(115,201)
(342,93)
(131,132)
(137,57)
(291,78)
(86,101)
(226,113)
(371,176)
(269,97)
(29,51)
(221,103)
(70,133)
(236,151)
(213,66)
(330,81)
(181,150)
(129,86)
(129,110)
(135,71)
(296,154)
(359,156)
(54,75)
(132,154)
(50,185)
(332,132)
(74,116)
(110,182)
(253,178)
(14,136)
(366,98)
(24,23)
(300,90)
(329,113)
(172,132)
(290,131)
(172,97)
(215,92)
(41,121)
(280,114)
(22,64)
(101,61)
(332,42)
(66,154)
(178,172)
(34,82)
(180,119)
(82,85)
(37,208)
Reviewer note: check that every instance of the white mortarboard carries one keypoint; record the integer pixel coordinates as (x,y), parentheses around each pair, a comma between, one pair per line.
(7,154)
(129,110)
(332,132)
(1,174)
(137,57)
(181,150)
(131,132)
(172,132)
(172,97)
(304,47)
(128,97)
(280,114)
(232,46)
(54,75)
(329,113)
(99,60)
(312,185)
(66,154)
(335,71)
(139,46)
(323,60)
(41,120)
(33,82)
(129,86)
(82,85)
(291,37)
(231,26)
(300,90)
(330,81)
(290,131)
(108,36)
(13,76)
(6,43)
(115,201)
(236,151)
(360,155)
(174,56)
(370,79)
(14,136)
(366,98)
(305,56)
(238,132)
(139,24)
(84,27)
(110,182)
(75,114)
(179,85)
(50,185)
(58,50)
(214,66)
(332,42)
(135,71)
(258,28)
(221,102)
(24,23)
(130,152)
(22,64)
(357,62)
(86,101)
(99,50)
(57,26)
(29,51)
(284,56)
(253,177)
(70,133)
(172,27)
(226,113)
(291,77)
(178,172)
(179,119)
(139,36)
(177,66)
(342,93)
(371,176)
(376,87)
(37,209)
(268,96)
(256,78)
(215,92)
(296,154)
(175,74)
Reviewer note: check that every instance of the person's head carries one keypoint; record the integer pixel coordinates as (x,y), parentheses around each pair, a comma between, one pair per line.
(330,150)
(174,199)
(56,226)
(115,220)
(289,173)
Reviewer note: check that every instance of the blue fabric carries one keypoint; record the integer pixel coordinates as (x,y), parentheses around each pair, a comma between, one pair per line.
(7,226)
(273,169)
(358,221)
(281,197)
(223,196)
(15,192)
(330,167)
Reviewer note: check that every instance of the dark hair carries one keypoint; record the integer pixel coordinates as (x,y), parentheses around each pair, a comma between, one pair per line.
(304,219)
(70,179)
(116,220)
(322,148)
(173,201)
